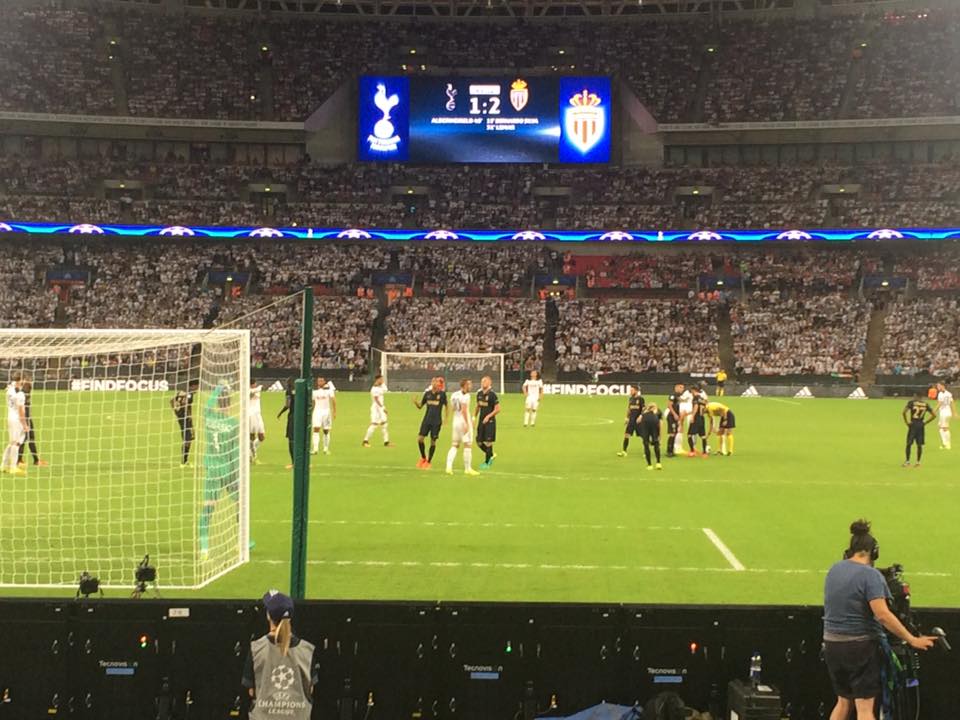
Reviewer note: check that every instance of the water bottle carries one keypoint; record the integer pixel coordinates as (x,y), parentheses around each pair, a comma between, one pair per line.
(756,667)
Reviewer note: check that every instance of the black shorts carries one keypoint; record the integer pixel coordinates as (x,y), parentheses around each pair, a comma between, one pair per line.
(697,426)
(673,425)
(728,421)
(430,429)
(650,434)
(487,432)
(186,429)
(721,383)
(854,667)
(633,426)
(917,433)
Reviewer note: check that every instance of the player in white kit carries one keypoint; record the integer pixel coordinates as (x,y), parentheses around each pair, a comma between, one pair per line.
(16,426)
(532,392)
(946,411)
(462,429)
(686,412)
(324,413)
(378,413)
(255,420)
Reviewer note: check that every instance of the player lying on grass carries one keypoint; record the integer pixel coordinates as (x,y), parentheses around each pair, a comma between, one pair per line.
(435,409)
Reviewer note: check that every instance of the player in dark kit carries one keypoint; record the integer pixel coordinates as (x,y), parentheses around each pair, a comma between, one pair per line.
(698,424)
(31,437)
(485,418)
(913,416)
(673,418)
(182,404)
(649,426)
(435,401)
(634,411)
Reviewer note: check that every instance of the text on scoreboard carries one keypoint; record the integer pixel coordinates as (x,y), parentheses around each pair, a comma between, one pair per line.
(514,119)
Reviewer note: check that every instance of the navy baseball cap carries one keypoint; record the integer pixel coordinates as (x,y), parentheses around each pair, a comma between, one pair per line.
(279,606)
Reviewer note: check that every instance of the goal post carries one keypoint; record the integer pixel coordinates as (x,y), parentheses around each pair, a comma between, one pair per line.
(111,484)
(412,371)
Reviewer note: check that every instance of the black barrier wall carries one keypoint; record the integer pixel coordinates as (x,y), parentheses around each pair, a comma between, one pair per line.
(133,660)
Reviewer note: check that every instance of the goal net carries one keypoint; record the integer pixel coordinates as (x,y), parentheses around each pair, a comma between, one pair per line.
(407,371)
(138,445)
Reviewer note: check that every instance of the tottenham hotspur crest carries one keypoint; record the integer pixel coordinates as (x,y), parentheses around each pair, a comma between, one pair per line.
(384,137)
(584,121)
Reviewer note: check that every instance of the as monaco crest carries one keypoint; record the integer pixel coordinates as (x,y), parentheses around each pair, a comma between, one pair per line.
(519,94)
(583,122)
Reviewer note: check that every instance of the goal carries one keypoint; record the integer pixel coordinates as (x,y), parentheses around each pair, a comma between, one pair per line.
(112,485)
(408,371)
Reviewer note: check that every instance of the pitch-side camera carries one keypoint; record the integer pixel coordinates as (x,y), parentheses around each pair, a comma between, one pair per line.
(145,574)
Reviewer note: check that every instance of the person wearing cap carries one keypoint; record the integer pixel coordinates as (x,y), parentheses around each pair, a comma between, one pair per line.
(281,669)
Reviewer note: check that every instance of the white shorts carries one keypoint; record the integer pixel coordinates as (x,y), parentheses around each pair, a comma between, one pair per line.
(686,408)
(945,415)
(462,433)
(322,419)
(15,432)
(532,403)
(378,415)
(256,425)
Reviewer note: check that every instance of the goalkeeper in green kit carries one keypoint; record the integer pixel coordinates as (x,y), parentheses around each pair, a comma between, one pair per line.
(221,459)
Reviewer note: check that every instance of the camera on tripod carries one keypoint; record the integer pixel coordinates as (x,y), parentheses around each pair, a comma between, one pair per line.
(145,574)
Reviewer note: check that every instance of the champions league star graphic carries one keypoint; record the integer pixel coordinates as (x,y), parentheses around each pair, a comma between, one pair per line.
(384,137)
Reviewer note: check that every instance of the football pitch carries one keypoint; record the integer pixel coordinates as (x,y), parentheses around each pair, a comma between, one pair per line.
(561,518)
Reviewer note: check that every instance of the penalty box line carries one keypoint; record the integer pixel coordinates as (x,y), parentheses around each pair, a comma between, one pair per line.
(724,550)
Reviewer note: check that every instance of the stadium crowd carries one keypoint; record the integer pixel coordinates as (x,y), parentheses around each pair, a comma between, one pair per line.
(815,334)
(922,337)
(37,187)
(245,67)
(609,336)
(469,325)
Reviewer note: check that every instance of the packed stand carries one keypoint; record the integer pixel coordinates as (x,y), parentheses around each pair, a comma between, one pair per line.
(784,70)
(53,61)
(817,335)
(922,337)
(501,270)
(639,270)
(936,268)
(342,330)
(24,299)
(913,67)
(633,336)
(468,325)
(801,269)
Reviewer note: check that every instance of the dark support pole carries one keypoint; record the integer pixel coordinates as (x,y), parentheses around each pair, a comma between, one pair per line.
(301,456)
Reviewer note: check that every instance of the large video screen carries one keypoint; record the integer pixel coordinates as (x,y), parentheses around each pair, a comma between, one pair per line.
(505,119)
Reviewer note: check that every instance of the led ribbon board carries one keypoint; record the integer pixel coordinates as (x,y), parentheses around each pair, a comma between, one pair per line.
(519,235)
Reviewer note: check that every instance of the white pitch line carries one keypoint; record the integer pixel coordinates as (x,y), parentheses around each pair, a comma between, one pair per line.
(786,402)
(568,567)
(468,524)
(724,550)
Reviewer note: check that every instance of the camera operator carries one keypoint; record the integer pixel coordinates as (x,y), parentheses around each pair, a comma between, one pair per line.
(854,609)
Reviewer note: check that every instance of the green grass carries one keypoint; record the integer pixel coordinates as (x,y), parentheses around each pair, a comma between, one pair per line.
(560,518)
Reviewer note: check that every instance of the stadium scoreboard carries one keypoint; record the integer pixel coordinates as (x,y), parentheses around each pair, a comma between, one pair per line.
(502,119)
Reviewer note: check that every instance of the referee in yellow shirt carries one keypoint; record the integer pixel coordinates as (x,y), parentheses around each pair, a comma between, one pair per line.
(726,425)
(721,382)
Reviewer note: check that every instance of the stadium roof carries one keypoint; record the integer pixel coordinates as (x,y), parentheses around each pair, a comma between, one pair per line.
(506,9)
